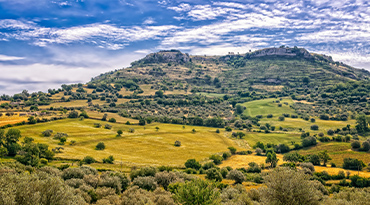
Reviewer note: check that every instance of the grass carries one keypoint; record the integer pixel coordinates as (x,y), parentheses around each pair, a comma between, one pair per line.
(239,161)
(276,138)
(5,120)
(266,106)
(337,151)
(145,146)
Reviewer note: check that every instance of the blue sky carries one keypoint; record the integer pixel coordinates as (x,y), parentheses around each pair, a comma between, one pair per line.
(46,43)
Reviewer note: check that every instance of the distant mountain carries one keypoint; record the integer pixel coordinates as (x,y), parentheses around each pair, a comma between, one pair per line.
(232,73)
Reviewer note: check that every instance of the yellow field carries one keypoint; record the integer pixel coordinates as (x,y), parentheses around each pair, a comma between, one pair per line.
(239,161)
(5,120)
(145,146)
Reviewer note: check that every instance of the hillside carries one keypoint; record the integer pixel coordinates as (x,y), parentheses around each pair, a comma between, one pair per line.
(172,117)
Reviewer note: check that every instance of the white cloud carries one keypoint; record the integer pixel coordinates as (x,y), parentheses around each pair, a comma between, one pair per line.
(149,20)
(104,35)
(10,58)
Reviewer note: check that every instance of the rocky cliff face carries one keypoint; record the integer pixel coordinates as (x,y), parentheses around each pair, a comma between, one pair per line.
(170,56)
(281,52)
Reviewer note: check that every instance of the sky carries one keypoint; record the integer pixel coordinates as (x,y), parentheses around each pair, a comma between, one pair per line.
(47,43)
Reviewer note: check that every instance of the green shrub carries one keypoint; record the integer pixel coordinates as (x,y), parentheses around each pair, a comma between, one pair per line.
(192,163)
(88,160)
(108,160)
(236,175)
(214,174)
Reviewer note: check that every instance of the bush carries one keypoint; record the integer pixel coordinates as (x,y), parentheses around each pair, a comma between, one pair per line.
(137,196)
(356,144)
(232,150)
(73,114)
(97,125)
(113,120)
(236,175)
(143,172)
(288,186)
(165,178)
(197,191)
(365,146)
(36,188)
(312,120)
(309,141)
(314,127)
(100,146)
(208,165)
(353,164)
(43,161)
(72,173)
(224,171)
(217,159)
(269,116)
(281,118)
(108,126)
(108,160)
(330,132)
(59,135)
(214,174)
(192,163)
(259,151)
(254,168)
(177,143)
(226,155)
(308,165)
(47,133)
(147,183)
(88,160)
(228,129)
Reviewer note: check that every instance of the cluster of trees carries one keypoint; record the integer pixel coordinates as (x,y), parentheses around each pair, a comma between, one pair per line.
(28,153)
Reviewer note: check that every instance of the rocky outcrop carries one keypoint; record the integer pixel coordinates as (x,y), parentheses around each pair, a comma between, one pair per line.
(281,52)
(166,56)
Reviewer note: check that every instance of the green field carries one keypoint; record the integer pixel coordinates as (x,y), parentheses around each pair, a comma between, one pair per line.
(266,106)
(145,146)
(276,138)
(338,151)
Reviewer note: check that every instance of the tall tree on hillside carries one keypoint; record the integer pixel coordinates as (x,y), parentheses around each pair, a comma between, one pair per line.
(362,124)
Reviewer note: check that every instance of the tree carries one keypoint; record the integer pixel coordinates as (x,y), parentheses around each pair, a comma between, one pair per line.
(314,159)
(232,150)
(197,192)
(104,117)
(272,159)
(365,146)
(119,132)
(12,136)
(217,159)
(362,124)
(88,160)
(214,174)
(100,146)
(142,121)
(294,157)
(3,151)
(288,186)
(159,93)
(239,109)
(236,175)
(177,143)
(355,144)
(314,127)
(353,164)
(112,120)
(324,157)
(73,114)
(192,163)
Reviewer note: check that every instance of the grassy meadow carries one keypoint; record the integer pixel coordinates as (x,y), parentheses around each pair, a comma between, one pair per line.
(146,146)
